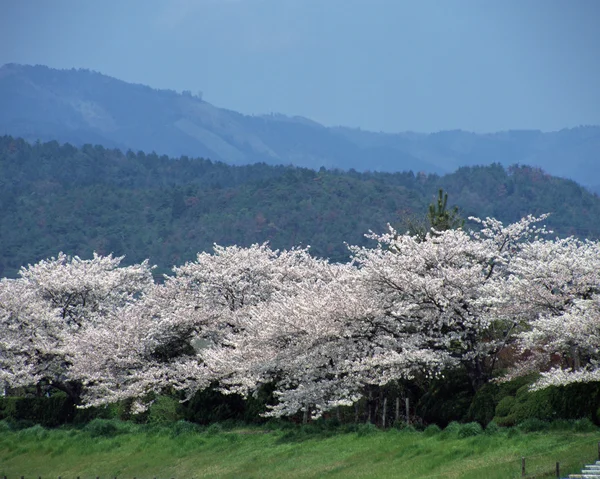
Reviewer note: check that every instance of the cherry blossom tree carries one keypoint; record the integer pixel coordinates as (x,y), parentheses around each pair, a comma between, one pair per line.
(559,280)
(320,333)
(167,336)
(321,346)
(449,289)
(50,304)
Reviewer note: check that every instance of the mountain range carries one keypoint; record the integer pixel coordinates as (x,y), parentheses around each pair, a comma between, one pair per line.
(85,107)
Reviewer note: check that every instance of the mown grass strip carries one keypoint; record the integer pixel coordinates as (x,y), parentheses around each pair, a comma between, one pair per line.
(256,453)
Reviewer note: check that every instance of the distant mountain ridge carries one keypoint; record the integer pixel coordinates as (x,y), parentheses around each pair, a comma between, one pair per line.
(81,106)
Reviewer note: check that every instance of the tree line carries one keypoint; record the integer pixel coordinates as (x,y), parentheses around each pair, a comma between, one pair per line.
(57,197)
(484,301)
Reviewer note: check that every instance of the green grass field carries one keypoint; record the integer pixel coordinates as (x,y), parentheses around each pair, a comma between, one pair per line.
(109,449)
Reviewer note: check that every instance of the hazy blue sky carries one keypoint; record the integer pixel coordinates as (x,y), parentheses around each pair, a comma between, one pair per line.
(389,65)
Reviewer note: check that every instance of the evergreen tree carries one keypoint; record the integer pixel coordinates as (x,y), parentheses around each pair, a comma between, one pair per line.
(441,218)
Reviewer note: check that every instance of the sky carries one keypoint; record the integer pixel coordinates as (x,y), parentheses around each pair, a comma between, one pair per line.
(380,65)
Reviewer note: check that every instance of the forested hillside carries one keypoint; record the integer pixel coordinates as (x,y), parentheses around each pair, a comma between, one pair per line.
(82,106)
(60,198)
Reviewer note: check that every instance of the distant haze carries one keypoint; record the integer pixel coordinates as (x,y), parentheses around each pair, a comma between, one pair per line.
(380,65)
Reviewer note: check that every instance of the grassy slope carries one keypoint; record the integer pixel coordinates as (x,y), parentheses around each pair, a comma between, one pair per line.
(273,454)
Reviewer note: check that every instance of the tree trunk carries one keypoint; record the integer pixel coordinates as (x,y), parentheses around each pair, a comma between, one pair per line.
(383,417)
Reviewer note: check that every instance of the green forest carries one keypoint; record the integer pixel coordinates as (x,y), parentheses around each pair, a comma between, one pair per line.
(57,197)
(78,200)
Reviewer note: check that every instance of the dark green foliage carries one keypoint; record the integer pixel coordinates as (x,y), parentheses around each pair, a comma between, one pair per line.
(505,406)
(366,429)
(107,427)
(83,416)
(214,428)
(492,428)
(441,218)
(165,410)
(57,197)
(561,425)
(210,406)
(451,430)
(534,425)
(47,411)
(484,403)
(506,421)
(432,430)
(537,404)
(584,425)
(180,428)
(446,398)
(470,429)
(575,401)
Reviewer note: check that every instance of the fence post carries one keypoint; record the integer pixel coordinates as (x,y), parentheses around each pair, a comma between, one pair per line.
(522,467)
(558,470)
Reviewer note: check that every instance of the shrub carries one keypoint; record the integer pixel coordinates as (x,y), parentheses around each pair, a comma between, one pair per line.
(275,424)
(447,398)
(48,411)
(164,409)
(451,429)
(107,427)
(506,421)
(37,432)
(401,425)
(214,428)
(504,412)
(533,425)
(505,406)
(85,415)
(184,427)
(366,429)
(432,430)
(492,428)
(470,429)
(584,425)
(561,425)
(534,404)
(483,406)
(569,402)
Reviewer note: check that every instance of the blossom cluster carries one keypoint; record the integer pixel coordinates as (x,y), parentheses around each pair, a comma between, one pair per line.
(320,332)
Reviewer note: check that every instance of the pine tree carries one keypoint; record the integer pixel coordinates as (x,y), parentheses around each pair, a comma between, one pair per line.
(441,218)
